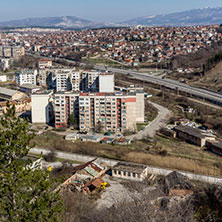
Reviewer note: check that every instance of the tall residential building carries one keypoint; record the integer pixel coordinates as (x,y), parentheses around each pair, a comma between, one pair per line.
(18,51)
(12,51)
(45,77)
(89,81)
(42,107)
(65,103)
(108,112)
(7,51)
(26,76)
(63,80)
(75,81)
(139,91)
(106,82)
(1,51)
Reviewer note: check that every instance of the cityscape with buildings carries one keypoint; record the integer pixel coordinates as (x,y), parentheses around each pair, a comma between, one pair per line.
(110,120)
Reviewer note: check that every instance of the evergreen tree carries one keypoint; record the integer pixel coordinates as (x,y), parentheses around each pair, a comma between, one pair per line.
(73,121)
(25,190)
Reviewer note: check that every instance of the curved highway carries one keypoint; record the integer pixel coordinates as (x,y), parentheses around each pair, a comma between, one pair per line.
(213,97)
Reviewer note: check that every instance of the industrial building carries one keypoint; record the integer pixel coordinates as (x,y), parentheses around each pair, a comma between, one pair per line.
(193,135)
(11,95)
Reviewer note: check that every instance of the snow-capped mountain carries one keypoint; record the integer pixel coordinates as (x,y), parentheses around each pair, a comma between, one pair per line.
(204,16)
(63,22)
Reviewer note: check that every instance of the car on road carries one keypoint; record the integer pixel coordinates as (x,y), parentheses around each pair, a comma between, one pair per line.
(107,134)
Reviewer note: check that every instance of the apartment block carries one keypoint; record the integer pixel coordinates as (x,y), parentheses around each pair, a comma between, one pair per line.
(67,79)
(107,112)
(65,103)
(89,81)
(63,83)
(75,81)
(100,111)
(42,107)
(18,52)
(139,91)
(106,83)
(1,51)
(44,63)
(7,51)
(26,76)
(45,77)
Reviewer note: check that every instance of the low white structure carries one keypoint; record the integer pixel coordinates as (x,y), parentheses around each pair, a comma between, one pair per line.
(3,78)
(72,137)
(130,171)
(42,109)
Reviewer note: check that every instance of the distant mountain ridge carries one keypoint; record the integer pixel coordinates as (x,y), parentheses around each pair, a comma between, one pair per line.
(59,22)
(205,16)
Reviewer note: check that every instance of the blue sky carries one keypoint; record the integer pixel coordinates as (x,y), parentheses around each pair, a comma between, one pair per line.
(97,10)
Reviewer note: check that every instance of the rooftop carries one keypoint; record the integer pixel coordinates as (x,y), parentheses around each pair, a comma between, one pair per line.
(130,167)
(29,86)
(45,92)
(191,131)
(8,92)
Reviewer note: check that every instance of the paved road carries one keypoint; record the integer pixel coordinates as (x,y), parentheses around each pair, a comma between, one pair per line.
(172,84)
(213,97)
(155,125)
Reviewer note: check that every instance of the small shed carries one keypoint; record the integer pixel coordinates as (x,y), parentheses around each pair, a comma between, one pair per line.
(90,138)
(72,137)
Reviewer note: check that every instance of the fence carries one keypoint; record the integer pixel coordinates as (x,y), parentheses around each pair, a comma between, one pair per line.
(110,162)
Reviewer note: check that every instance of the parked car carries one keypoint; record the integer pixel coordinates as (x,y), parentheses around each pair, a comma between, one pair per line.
(107,134)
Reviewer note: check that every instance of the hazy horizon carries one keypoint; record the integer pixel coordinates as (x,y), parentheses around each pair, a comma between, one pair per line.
(98,10)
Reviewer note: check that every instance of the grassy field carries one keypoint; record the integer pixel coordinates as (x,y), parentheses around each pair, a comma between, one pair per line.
(163,152)
(101,60)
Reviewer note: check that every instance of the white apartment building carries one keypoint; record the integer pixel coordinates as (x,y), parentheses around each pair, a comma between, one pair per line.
(89,81)
(26,76)
(75,81)
(66,79)
(45,77)
(106,83)
(63,82)
(42,108)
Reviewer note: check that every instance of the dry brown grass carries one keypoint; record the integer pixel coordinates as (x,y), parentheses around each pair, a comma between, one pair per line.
(181,156)
(171,162)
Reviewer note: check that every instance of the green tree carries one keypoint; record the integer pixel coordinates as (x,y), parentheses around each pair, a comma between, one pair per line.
(73,121)
(25,190)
